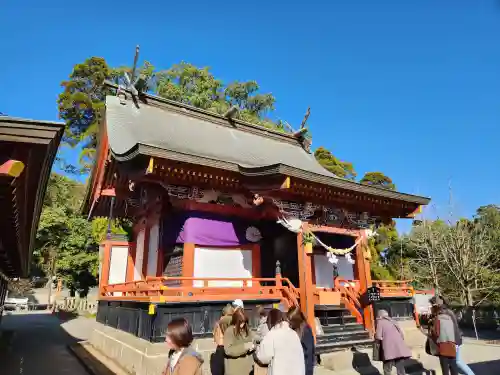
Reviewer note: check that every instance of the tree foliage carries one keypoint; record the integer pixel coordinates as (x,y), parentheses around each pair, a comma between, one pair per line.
(384,237)
(331,163)
(378,179)
(67,245)
(459,259)
(81,104)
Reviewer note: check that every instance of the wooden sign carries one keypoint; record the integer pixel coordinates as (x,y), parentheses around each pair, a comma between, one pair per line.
(373,294)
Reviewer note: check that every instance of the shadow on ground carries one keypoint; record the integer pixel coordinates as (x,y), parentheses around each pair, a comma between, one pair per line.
(363,365)
(35,343)
(486,368)
(483,334)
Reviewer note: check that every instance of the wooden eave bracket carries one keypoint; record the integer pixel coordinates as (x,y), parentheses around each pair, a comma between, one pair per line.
(12,168)
(417,211)
(271,184)
(286,184)
(151,166)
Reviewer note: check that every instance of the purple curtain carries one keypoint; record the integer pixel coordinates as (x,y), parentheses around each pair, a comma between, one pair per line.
(204,228)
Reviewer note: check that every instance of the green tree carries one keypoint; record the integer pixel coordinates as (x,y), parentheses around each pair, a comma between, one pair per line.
(379,244)
(118,226)
(331,163)
(459,259)
(65,246)
(378,179)
(186,83)
(81,104)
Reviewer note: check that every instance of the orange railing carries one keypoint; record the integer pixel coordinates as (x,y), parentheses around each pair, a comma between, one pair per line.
(350,295)
(389,288)
(196,289)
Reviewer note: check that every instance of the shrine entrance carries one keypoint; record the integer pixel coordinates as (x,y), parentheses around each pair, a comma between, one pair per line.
(279,244)
(327,266)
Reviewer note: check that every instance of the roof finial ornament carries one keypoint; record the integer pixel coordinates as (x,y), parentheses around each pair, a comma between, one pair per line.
(135,83)
(303,125)
(303,133)
(231,112)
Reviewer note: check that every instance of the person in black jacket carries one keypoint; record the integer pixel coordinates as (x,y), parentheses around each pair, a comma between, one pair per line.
(299,324)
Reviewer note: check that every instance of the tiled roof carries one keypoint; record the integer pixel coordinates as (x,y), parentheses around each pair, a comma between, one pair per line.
(182,131)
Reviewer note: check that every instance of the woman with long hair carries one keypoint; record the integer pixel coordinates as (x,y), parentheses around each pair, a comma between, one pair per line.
(238,346)
(182,360)
(299,324)
(281,349)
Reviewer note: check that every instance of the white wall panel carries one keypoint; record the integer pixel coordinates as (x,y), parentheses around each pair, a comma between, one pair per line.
(225,263)
(154,234)
(139,255)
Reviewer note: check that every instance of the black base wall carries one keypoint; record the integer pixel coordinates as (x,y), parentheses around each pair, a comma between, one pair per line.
(133,317)
(398,308)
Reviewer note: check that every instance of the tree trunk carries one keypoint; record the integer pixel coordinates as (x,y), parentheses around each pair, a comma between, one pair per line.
(468,296)
(51,280)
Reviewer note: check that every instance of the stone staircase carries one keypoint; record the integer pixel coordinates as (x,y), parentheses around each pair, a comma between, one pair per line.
(339,330)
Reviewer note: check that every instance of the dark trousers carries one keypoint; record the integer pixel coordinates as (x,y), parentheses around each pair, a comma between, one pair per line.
(217,361)
(448,365)
(398,363)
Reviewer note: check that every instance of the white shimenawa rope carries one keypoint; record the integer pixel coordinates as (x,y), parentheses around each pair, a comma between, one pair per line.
(332,251)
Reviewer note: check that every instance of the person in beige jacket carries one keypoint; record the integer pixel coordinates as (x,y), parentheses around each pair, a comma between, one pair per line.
(238,346)
(281,349)
(182,360)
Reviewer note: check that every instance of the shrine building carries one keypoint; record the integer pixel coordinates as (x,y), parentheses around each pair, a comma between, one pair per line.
(223,210)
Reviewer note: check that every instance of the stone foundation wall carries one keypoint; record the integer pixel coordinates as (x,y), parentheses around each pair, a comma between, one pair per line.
(138,356)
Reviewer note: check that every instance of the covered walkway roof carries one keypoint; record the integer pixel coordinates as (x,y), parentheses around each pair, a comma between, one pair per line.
(27,152)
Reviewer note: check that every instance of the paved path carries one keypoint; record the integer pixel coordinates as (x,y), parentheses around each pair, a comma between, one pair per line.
(483,359)
(39,345)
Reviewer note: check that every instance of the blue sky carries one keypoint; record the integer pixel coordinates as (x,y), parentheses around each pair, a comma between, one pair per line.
(410,88)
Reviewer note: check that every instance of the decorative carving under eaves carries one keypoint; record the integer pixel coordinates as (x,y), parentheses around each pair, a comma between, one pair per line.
(206,196)
(326,215)
(317,214)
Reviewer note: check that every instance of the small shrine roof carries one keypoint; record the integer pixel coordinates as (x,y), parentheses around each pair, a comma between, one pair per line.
(166,129)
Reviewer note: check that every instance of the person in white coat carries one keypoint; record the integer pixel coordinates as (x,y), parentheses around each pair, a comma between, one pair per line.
(280,348)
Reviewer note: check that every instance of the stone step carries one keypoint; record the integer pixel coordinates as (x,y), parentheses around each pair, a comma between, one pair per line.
(329,347)
(347,327)
(340,337)
(330,307)
(336,320)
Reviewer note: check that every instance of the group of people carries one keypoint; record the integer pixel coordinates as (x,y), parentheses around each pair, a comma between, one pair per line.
(443,340)
(282,344)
